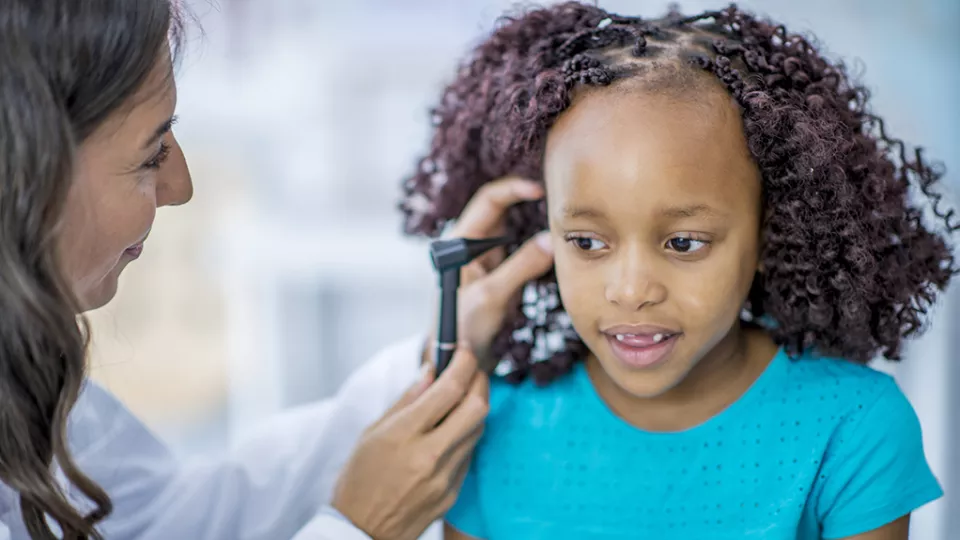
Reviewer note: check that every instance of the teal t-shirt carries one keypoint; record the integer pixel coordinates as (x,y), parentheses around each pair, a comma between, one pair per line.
(816,448)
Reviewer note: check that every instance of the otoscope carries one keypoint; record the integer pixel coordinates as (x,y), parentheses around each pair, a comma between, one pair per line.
(449,255)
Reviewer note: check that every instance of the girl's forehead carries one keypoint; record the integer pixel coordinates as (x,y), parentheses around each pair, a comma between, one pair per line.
(633,143)
(699,125)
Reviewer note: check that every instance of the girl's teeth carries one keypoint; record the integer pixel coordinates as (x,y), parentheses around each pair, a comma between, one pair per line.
(657,338)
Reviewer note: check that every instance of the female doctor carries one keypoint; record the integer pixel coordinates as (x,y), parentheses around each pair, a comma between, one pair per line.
(87,155)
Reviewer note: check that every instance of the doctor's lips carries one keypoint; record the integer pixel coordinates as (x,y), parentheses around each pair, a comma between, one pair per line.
(136,249)
(641,346)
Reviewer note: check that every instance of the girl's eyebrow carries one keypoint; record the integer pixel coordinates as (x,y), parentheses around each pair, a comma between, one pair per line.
(669,212)
(574,212)
(688,211)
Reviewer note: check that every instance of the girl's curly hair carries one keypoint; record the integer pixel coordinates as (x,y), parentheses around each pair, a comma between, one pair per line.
(849,267)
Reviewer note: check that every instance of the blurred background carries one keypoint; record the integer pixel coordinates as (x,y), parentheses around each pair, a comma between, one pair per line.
(300,118)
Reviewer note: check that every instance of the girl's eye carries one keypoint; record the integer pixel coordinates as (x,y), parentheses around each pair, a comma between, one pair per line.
(683,244)
(586,244)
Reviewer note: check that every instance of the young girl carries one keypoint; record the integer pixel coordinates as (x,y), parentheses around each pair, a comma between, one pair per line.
(733,242)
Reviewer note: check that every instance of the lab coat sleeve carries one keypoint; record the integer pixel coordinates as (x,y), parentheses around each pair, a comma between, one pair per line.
(273,486)
(330,525)
(281,475)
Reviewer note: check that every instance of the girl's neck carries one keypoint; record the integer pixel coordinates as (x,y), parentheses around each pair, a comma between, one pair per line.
(717,381)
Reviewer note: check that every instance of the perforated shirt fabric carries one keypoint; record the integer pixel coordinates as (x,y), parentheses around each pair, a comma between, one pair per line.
(816,448)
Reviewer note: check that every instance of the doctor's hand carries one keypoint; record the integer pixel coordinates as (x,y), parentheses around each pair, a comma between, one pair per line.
(407,469)
(489,284)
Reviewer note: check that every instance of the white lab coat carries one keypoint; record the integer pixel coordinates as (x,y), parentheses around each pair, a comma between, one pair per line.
(272,487)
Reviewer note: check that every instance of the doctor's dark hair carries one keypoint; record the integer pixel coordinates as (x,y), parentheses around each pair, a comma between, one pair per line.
(66,66)
(850,268)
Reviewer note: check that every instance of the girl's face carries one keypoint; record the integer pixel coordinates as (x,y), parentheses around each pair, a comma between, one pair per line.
(654,206)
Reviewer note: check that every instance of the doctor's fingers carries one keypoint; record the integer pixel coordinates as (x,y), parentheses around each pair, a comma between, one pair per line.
(414,391)
(465,419)
(486,208)
(472,272)
(527,263)
(450,472)
(449,390)
(459,450)
(460,472)
(456,483)
(455,476)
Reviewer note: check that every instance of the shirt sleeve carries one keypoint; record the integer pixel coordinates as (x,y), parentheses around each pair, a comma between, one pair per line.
(875,470)
(466,515)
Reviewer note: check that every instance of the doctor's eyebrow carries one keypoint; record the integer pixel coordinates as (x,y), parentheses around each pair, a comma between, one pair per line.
(161,130)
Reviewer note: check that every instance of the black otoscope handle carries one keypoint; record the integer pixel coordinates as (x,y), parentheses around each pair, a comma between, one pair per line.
(447,333)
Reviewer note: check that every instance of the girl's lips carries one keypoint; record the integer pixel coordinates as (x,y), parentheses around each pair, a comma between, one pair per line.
(642,351)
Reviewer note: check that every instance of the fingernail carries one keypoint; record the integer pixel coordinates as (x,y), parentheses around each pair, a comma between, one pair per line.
(545,242)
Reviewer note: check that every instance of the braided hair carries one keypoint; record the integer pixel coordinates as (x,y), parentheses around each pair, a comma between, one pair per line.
(849,266)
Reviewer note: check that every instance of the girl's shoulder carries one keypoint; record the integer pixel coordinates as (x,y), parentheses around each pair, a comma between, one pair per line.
(873,467)
(841,385)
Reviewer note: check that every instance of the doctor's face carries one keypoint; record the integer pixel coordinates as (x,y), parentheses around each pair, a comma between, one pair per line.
(126,169)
